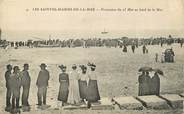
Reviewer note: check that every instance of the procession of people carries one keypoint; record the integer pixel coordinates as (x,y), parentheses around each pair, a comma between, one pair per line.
(76,87)
(94,42)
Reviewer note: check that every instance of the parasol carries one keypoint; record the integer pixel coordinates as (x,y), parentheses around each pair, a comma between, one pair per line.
(159,71)
(145,69)
(62,66)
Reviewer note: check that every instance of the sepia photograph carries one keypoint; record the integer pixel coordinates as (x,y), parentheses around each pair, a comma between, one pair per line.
(91,56)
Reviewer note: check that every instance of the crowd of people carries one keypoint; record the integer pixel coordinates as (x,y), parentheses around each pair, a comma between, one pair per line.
(94,42)
(76,87)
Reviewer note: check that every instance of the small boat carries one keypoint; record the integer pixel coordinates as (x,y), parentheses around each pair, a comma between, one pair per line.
(104,32)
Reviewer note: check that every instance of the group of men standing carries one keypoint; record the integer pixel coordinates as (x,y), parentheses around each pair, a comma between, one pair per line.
(16,79)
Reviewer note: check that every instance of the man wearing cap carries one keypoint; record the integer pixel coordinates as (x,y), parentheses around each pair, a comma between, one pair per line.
(25,82)
(15,84)
(8,92)
(42,83)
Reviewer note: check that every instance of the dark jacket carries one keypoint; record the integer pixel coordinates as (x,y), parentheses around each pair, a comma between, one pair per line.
(144,85)
(7,77)
(155,85)
(43,78)
(25,78)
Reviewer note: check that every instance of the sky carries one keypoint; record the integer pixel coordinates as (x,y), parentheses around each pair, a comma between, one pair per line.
(18,21)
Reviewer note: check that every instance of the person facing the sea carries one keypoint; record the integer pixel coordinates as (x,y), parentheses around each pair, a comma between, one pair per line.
(144,49)
(144,84)
(125,48)
(42,84)
(93,92)
(74,95)
(133,47)
(83,82)
(8,91)
(156,57)
(64,85)
(15,84)
(155,84)
(140,80)
(172,56)
(25,82)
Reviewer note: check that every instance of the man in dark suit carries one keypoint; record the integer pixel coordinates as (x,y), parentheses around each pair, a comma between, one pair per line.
(25,81)
(42,83)
(8,91)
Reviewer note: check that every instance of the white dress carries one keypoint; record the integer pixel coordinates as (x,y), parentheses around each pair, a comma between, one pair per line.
(74,95)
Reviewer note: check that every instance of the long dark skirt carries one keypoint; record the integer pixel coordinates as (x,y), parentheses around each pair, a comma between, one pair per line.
(63,91)
(82,89)
(141,93)
(155,85)
(144,89)
(92,91)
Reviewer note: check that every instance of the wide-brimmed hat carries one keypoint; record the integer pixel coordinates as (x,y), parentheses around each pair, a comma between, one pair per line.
(83,67)
(93,66)
(8,66)
(159,71)
(62,67)
(145,69)
(16,68)
(43,65)
(74,66)
(26,64)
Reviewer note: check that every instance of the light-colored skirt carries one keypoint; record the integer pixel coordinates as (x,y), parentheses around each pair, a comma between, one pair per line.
(74,95)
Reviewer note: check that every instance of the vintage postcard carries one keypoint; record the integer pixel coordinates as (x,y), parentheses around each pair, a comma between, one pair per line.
(91,56)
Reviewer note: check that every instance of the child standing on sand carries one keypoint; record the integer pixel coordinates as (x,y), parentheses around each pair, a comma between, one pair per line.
(156,57)
(162,57)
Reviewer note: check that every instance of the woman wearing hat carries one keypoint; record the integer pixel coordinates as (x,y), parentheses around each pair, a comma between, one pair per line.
(144,83)
(74,95)
(64,84)
(83,82)
(93,92)
(125,48)
(155,84)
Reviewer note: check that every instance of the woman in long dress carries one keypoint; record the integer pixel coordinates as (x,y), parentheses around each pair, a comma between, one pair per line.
(93,92)
(155,84)
(125,48)
(147,84)
(74,95)
(140,80)
(144,84)
(64,84)
(83,83)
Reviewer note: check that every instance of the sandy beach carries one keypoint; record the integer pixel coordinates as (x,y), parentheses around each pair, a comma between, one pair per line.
(117,71)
